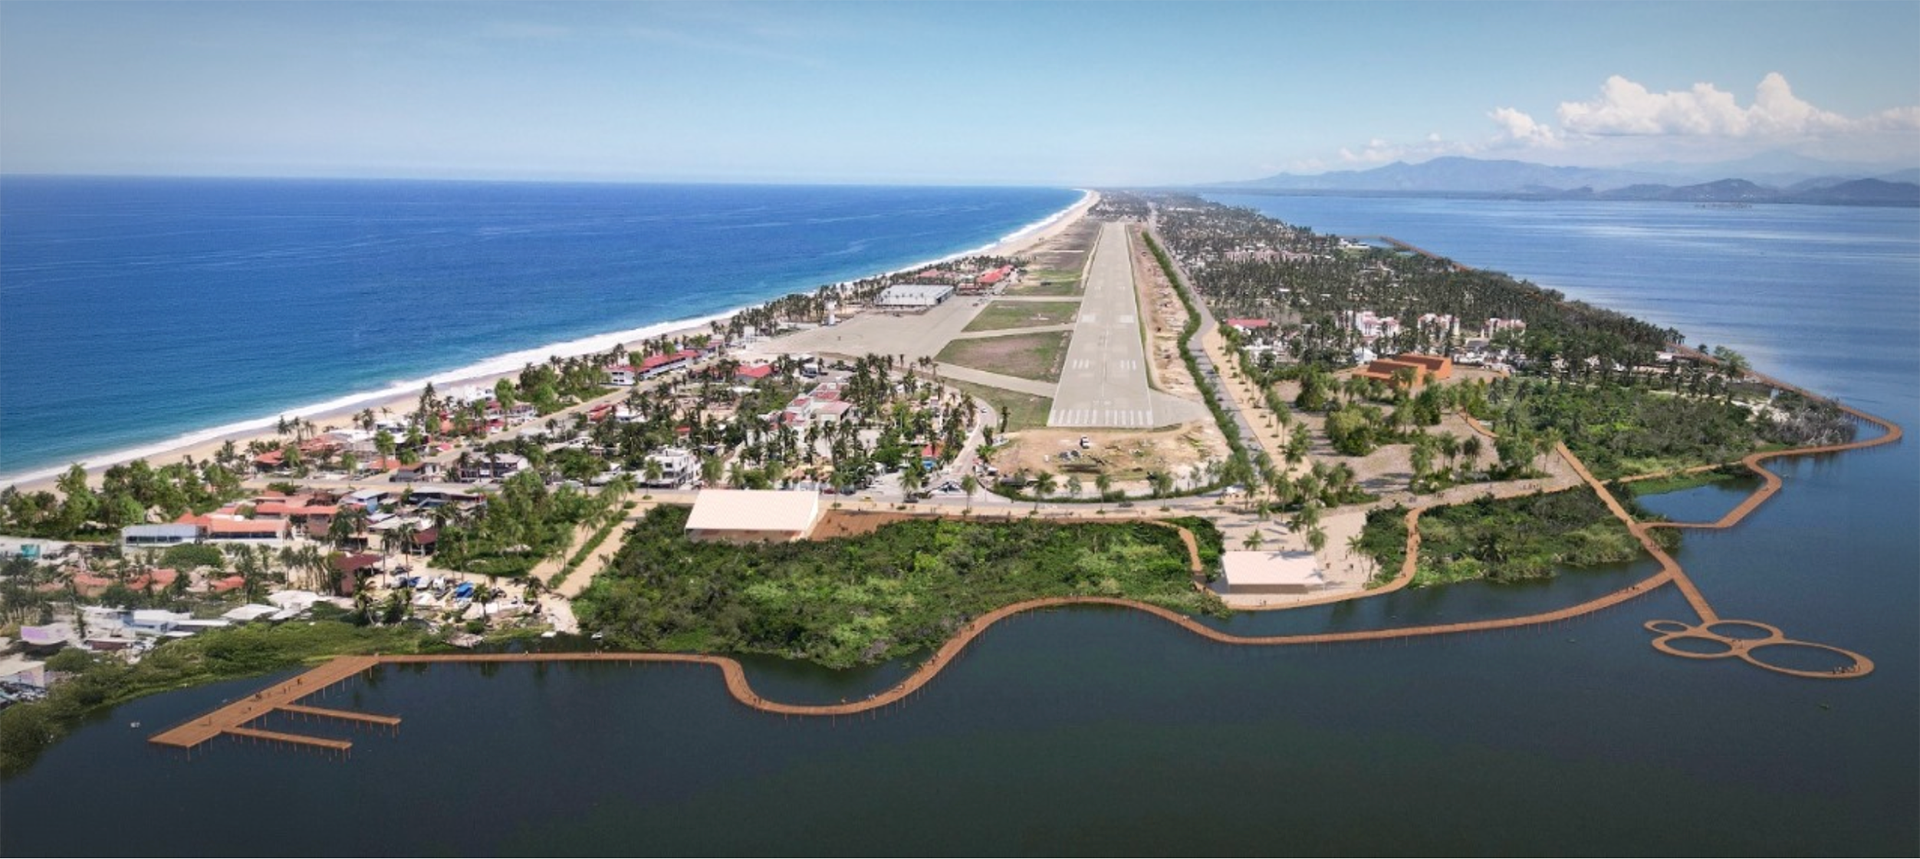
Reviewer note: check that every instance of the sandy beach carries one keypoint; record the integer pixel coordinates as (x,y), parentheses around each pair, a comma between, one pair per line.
(342,416)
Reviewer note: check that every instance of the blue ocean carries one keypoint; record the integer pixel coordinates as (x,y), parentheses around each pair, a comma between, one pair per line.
(137,311)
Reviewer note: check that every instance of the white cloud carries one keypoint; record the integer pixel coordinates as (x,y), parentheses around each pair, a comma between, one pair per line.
(1626,108)
(1628,121)
(1519,127)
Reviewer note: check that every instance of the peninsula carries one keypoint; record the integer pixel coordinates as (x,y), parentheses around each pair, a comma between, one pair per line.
(1157,402)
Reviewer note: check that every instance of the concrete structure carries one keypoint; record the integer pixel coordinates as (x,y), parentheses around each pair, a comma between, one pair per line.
(1271,572)
(913,296)
(146,536)
(1103,381)
(677,466)
(753,515)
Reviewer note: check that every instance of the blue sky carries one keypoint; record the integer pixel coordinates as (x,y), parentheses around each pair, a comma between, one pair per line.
(960,93)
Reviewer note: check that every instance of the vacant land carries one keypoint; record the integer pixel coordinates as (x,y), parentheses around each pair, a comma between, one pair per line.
(1023,410)
(1027,356)
(1068,251)
(1023,314)
(1047,282)
(1125,456)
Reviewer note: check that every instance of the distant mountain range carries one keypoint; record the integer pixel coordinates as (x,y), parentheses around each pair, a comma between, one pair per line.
(1780,179)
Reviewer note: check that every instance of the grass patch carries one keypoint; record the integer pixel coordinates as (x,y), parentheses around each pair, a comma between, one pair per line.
(1026,356)
(900,590)
(1023,410)
(1023,314)
(1678,482)
(1048,282)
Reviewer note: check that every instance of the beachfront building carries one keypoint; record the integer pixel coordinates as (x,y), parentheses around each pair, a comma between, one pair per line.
(158,536)
(620,375)
(1255,573)
(913,296)
(222,529)
(1248,326)
(655,365)
(753,515)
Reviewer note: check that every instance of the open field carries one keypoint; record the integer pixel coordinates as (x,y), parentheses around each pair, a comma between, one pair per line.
(1023,314)
(1047,282)
(1026,356)
(1066,252)
(1023,410)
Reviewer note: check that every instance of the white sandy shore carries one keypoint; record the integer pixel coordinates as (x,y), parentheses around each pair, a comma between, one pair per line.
(339,413)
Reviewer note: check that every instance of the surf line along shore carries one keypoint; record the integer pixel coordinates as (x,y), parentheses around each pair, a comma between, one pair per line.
(205,445)
(232,720)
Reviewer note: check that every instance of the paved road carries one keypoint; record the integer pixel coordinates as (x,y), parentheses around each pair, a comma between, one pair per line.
(1104,381)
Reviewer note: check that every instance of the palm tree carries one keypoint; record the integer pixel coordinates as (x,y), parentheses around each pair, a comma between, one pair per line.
(969,484)
(1253,541)
(1043,486)
(1104,485)
(1074,487)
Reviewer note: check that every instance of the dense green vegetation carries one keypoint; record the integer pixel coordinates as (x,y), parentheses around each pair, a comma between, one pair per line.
(1694,480)
(1506,540)
(522,524)
(900,590)
(1622,430)
(127,492)
(100,682)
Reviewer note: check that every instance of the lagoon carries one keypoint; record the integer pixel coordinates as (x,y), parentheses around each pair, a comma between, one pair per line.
(1097,730)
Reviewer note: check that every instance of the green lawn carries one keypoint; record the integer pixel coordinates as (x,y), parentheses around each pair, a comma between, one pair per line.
(1001,315)
(1026,356)
(1023,410)
(1048,282)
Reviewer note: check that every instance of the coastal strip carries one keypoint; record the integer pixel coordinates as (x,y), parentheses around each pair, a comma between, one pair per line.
(202,444)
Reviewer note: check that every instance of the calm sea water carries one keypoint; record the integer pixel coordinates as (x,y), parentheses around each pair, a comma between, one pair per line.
(133,311)
(1101,731)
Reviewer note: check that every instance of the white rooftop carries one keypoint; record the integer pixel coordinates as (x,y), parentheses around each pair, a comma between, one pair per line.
(1253,569)
(753,510)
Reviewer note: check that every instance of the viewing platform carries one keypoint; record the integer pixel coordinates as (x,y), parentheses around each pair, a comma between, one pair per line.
(234,718)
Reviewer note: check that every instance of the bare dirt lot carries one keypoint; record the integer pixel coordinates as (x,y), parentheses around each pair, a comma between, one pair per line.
(1126,456)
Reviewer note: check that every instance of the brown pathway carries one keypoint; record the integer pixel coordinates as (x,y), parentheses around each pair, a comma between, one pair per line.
(1743,644)
(233,718)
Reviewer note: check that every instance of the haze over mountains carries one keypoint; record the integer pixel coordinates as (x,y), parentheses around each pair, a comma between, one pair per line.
(1769,178)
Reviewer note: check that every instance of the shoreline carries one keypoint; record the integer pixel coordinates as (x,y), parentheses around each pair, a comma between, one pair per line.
(202,444)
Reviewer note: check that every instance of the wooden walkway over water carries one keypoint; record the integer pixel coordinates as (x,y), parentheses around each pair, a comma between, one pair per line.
(233,719)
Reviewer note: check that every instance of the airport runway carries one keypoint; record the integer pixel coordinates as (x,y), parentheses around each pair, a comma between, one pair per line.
(1104,380)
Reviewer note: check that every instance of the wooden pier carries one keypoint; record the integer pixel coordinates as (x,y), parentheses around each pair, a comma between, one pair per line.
(234,718)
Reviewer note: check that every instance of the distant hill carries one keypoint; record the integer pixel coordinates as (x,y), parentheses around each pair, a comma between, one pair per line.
(1451,176)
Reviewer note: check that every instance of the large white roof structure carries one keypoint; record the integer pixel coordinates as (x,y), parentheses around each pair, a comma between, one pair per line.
(1271,572)
(754,510)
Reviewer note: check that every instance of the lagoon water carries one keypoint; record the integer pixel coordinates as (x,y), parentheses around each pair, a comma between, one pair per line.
(133,311)
(1097,730)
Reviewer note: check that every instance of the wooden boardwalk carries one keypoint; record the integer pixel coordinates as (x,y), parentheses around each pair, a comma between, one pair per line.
(232,719)
(284,696)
